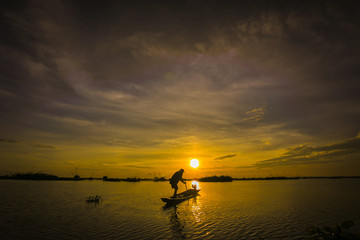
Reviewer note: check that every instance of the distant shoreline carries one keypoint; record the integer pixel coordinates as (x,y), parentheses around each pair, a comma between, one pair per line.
(47,177)
(294,178)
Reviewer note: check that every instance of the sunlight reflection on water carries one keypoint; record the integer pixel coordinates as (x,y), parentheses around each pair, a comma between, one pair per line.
(195,185)
(237,210)
(196,211)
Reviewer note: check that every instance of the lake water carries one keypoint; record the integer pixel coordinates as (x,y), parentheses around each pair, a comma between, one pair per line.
(277,209)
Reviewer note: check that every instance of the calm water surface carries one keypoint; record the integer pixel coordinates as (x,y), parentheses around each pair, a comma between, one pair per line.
(238,210)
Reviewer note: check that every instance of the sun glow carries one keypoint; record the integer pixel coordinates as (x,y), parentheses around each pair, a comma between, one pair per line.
(194,163)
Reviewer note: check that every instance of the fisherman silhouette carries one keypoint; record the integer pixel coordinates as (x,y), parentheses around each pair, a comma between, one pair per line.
(177,177)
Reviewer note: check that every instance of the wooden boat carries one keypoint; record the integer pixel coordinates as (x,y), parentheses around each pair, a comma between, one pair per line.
(190,193)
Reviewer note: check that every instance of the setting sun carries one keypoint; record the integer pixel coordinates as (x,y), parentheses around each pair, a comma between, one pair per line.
(194,163)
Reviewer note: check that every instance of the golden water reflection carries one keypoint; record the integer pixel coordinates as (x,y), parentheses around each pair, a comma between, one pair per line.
(185,214)
(196,212)
(196,205)
(195,185)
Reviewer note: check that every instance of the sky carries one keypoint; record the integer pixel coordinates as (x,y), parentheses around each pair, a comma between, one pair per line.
(139,88)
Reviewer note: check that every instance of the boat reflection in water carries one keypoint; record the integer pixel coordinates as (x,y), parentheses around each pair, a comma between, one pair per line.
(236,210)
(177,224)
(185,215)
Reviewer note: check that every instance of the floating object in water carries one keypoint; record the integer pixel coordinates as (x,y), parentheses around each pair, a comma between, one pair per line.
(190,193)
(94,199)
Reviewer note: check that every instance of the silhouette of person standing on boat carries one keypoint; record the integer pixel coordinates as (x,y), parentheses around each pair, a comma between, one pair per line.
(175,179)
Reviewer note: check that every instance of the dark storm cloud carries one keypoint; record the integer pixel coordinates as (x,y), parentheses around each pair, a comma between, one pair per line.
(343,151)
(119,44)
(224,157)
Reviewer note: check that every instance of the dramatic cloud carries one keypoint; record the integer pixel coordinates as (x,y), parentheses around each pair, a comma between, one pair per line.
(163,82)
(344,151)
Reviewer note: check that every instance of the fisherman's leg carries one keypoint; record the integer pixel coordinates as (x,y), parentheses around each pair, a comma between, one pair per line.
(175,190)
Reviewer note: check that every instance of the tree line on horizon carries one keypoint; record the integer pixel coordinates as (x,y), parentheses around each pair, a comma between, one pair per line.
(215,178)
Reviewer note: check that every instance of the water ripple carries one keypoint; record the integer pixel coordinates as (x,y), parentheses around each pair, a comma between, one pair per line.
(238,210)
